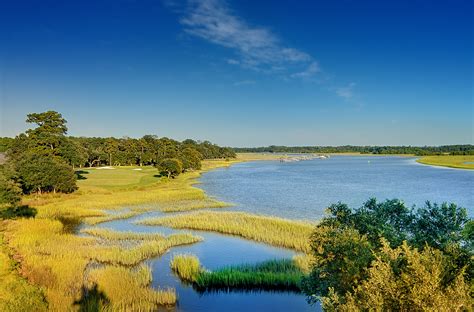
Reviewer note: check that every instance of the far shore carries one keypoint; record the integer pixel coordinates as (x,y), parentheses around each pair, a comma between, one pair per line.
(449,161)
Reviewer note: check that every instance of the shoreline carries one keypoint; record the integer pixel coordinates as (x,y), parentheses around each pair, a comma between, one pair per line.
(448,161)
(433,160)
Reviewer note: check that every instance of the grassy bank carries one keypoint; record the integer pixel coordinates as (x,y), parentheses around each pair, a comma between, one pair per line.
(16,294)
(52,258)
(270,230)
(452,161)
(121,289)
(269,275)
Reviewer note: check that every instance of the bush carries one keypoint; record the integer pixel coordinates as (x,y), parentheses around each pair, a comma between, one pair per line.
(404,279)
(45,174)
(171,167)
(367,258)
(10,191)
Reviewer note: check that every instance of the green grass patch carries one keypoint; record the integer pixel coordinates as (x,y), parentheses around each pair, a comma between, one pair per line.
(118,178)
(453,161)
(284,275)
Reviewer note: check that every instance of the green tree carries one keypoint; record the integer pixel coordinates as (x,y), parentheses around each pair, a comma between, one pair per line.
(341,257)
(346,241)
(72,152)
(45,174)
(432,224)
(111,147)
(51,127)
(172,167)
(439,226)
(190,158)
(10,191)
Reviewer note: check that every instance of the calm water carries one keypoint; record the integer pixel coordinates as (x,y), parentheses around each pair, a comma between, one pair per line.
(299,190)
(302,190)
(216,251)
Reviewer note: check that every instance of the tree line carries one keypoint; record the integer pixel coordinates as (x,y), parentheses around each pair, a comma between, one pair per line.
(466,149)
(44,158)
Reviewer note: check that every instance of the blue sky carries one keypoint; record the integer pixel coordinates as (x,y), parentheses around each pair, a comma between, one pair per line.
(243,73)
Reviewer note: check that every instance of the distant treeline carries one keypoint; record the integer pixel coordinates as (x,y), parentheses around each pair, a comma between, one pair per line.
(148,150)
(466,149)
(44,159)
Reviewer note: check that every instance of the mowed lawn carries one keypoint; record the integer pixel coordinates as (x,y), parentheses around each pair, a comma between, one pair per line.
(453,161)
(118,177)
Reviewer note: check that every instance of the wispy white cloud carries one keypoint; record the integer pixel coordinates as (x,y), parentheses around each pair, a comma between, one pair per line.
(244,83)
(346,92)
(233,62)
(256,47)
(312,69)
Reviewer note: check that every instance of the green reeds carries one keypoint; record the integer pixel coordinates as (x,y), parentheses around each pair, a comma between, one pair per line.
(284,275)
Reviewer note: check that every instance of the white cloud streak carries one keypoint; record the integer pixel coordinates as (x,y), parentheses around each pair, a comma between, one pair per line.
(256,47)
(346,92)
(312,69)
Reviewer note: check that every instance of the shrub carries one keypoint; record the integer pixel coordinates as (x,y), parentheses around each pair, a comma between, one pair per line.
(171,167)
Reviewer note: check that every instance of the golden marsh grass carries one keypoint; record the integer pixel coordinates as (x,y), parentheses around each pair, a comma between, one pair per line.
(271,230)
(116,235)
(56,261)
(186,266)
(128,290)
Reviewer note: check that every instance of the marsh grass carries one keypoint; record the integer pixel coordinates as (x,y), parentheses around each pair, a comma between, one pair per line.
(16,294)
(111,217)
(453,161)
(189,205)
(141,252)
(53,259)
(116,235)
(270,230)
(186,266)
(128,290)
(269,275)
(56,261)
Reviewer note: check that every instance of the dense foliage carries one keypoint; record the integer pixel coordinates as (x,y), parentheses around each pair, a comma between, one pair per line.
(43,158)
(354,248)
(171,167)
(467,149)
(34,158)
(5,143)
(45,174)
(10,192)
